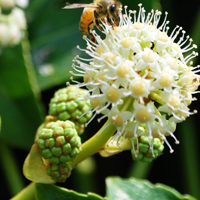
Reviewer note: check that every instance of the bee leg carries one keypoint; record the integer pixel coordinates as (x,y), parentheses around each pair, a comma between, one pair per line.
(92,38)
(97,21)
(90,34)
(109,20)
(116,21)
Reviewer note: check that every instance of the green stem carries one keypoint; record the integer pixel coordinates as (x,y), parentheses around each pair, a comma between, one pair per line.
(94,144)
(140,170)
(27,193)
(11,171)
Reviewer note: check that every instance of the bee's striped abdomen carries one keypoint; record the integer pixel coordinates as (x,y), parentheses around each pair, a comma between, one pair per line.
(86,18)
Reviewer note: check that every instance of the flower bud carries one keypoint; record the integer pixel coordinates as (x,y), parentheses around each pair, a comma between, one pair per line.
(145,151)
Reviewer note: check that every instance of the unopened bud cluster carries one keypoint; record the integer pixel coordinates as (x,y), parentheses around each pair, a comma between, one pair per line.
(59,143)
(139,77)
(71,103)
(144,152)
(12,22)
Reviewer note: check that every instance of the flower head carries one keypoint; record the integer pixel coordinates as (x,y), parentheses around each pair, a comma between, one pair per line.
(139,77)
(13,22)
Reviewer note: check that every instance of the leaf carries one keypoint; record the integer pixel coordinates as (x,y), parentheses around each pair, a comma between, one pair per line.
(136,189)
(19,107)
(16,129)
(51,192)
(34,168)
(54,35)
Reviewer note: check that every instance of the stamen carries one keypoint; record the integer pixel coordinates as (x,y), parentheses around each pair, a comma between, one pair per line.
(164,21)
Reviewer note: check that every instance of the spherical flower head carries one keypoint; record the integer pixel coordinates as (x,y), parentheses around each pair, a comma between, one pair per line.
(71,103)
(138,77)
(59,143)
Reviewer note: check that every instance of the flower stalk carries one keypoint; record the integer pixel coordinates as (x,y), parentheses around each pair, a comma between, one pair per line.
(94,144)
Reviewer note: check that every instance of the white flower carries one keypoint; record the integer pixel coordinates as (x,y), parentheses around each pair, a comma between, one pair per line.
(19,18)
(13,24)
(22,3)
(146,58)
(138,76)
(4,37)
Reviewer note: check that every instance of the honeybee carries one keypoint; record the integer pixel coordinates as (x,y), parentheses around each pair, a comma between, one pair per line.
(95,11)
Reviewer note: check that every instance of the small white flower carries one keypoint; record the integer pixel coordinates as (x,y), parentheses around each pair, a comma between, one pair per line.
(146,58)
(118,119)
(139,88)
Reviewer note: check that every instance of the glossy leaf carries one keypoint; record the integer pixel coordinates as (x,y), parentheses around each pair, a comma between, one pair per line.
(136,189)
(51,192)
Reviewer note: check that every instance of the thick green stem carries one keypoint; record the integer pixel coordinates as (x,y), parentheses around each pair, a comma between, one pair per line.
(94,144)
(27,193)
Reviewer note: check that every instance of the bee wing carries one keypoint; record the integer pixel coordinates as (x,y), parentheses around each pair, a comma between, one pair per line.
(79,5)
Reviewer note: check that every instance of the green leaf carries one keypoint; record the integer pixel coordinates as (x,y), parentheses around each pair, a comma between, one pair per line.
(51,192)
(16,129)
(20,106)
(136,189)
(54,35)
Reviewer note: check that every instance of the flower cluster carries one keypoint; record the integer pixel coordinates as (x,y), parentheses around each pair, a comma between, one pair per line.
(70,103)
(59,143)
(139,78)
(145,153)
(12,22)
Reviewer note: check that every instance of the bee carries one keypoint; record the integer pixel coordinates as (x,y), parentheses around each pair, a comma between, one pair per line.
(92,13)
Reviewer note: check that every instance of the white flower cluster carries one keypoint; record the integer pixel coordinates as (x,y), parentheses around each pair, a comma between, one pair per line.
(12,22)
(138,76)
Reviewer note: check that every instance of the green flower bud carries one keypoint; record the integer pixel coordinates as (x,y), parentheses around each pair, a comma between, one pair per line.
(41,143)
(65,158)
(146,154)
(59,172)
(79,127)
(46,153)
(46,133)
(55,160)
(69,104)
(57,151)
(50,142)
(64,116)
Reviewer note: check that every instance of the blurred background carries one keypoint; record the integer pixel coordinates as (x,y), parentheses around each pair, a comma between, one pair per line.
(32,70)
